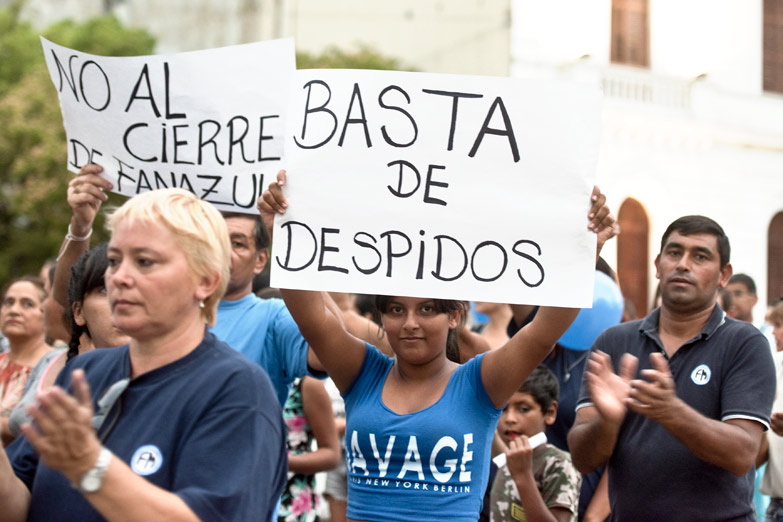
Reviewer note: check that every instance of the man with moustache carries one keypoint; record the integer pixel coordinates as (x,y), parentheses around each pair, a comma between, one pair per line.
(677,402)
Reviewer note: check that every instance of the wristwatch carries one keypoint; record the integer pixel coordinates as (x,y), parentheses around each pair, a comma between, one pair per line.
(93,479)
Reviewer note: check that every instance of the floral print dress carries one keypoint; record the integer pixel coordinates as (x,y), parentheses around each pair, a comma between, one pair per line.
(13,377)
(300,501)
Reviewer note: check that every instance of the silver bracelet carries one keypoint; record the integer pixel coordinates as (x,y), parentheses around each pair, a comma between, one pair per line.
(70,237)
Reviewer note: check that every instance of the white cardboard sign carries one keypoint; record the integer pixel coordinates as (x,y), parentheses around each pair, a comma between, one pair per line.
(443,186)
(208,121)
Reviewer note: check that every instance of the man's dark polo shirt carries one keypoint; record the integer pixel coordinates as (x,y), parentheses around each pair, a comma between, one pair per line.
(725,372)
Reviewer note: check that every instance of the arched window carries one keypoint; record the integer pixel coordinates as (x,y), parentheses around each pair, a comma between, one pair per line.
(633,258)
(775,258)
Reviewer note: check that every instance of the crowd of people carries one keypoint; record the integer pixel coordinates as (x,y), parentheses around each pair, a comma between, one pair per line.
(146,380)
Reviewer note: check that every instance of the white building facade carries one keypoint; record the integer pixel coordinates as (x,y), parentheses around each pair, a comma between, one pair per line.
(689,126)
(454,36)
(693,111)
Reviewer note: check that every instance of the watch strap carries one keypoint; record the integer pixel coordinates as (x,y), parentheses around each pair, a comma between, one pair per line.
(92,480)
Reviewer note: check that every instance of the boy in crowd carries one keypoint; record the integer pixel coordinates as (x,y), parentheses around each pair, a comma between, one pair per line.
(538,482)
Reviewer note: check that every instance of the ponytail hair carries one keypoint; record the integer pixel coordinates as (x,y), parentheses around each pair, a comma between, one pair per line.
(86,277)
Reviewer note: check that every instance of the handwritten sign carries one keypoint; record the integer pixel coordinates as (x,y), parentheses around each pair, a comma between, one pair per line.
(439,186)
(208,121)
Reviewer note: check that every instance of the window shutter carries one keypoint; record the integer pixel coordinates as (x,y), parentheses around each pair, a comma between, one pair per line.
(630,34)
(773,45)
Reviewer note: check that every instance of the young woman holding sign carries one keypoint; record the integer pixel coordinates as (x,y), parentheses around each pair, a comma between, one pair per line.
(419,426)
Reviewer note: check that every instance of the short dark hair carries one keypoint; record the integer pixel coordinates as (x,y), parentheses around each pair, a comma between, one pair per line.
(689,225)
(260,235)
(33,280)
(746,280)
(543,386)
(86,277)
(442,306)
(365,304)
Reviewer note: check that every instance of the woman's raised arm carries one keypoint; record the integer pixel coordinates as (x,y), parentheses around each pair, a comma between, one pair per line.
(506,368)
(321,325)
(86,193)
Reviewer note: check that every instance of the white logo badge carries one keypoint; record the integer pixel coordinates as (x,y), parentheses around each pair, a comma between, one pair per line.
(146,460)
(701,375)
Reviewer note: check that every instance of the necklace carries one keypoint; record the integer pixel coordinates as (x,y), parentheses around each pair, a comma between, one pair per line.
(568,367)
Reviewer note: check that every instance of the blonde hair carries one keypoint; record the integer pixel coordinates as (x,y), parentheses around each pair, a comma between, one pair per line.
(198,228)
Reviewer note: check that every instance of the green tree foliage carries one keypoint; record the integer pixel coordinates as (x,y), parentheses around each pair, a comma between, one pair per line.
(19,48)
(363,58)
(33,179)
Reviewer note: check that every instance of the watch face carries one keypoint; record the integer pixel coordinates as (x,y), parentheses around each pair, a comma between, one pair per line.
(93,479)
(91,483)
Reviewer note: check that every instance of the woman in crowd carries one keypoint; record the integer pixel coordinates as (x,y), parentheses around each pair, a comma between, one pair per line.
(309,419)
(186,428)
(419,426)
(91,327)
(22,323)
(771,449)
(88,312)
(336,487)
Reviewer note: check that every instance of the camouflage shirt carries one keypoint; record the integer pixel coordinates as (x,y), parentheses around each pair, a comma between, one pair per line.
(556,478)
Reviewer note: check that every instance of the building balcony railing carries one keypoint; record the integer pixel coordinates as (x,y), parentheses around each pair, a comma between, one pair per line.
(642,86)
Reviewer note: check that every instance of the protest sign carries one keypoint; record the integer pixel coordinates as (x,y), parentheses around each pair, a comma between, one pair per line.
(207,121)
(442,186)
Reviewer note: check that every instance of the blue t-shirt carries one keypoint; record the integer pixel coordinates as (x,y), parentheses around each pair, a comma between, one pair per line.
(264,331)
(426,465)
(203,427)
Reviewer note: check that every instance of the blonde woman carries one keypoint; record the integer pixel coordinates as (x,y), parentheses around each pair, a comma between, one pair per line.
(173,426)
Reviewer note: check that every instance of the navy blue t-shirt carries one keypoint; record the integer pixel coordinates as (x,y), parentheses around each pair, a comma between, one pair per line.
(569,367)
(206,427)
